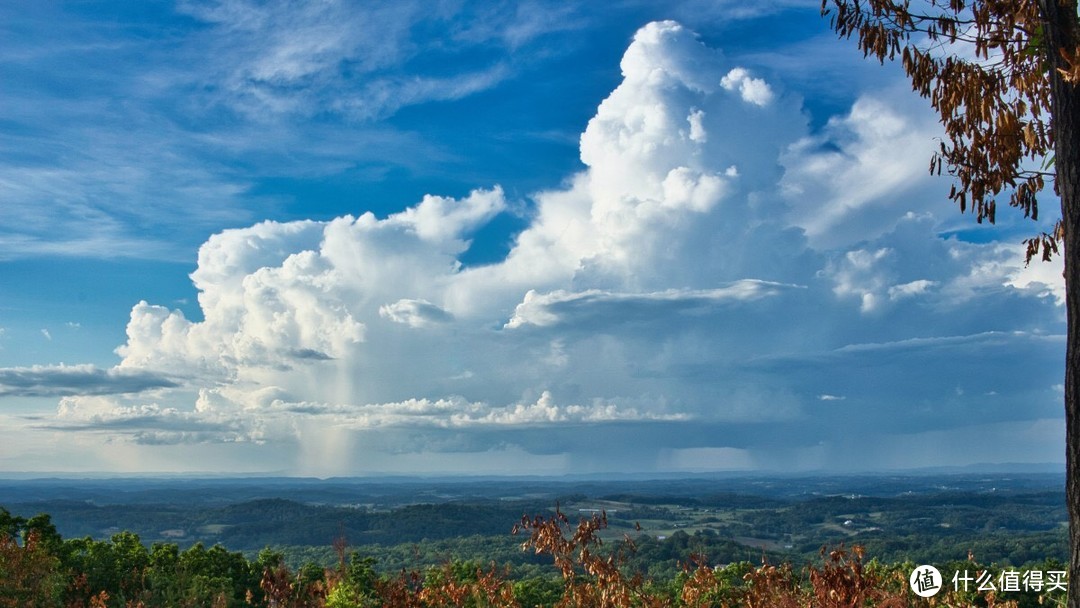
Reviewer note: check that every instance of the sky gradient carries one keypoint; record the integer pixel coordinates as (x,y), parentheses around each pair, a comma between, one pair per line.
(495,238)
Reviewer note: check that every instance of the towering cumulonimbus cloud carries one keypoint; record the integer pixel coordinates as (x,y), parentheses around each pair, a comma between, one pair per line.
(689,284)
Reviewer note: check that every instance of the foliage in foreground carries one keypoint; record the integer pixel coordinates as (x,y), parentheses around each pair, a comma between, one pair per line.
(39,569)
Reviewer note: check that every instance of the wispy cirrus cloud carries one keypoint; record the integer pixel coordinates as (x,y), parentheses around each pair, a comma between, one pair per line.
(365,61)
(156,138)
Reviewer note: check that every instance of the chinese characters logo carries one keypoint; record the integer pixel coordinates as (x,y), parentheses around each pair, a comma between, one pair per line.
(925,581)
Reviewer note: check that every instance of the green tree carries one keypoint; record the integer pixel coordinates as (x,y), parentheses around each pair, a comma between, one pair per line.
(345,594)
(538,591)
(1007,98)
(214,576)
(41,526)
(356,586)
(161,580)
(10,525)
(93,567)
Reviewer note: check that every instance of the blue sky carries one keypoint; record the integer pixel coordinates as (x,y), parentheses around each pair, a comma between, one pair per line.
(476,237)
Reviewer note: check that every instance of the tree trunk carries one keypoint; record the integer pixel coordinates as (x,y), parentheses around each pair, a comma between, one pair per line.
(1060,24)
(1069,187)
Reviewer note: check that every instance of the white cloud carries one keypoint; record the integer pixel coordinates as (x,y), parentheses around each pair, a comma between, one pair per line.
(146,423)
(858,274)
(598,306)
(752,90)
(414,313)
(302,306)
(697,128)
(911,289)
(1000,267)
(1043,278)
(215,420)
(438,218)
(865,172)
(543,411)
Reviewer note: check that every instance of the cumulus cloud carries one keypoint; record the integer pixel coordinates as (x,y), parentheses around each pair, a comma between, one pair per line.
(714,272)
(752,90)
(856,275)
(456,412)
(210,422)
(438,218)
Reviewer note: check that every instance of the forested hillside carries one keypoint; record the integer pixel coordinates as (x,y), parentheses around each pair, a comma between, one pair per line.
(669,541)
(39,568)
(1007,520)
